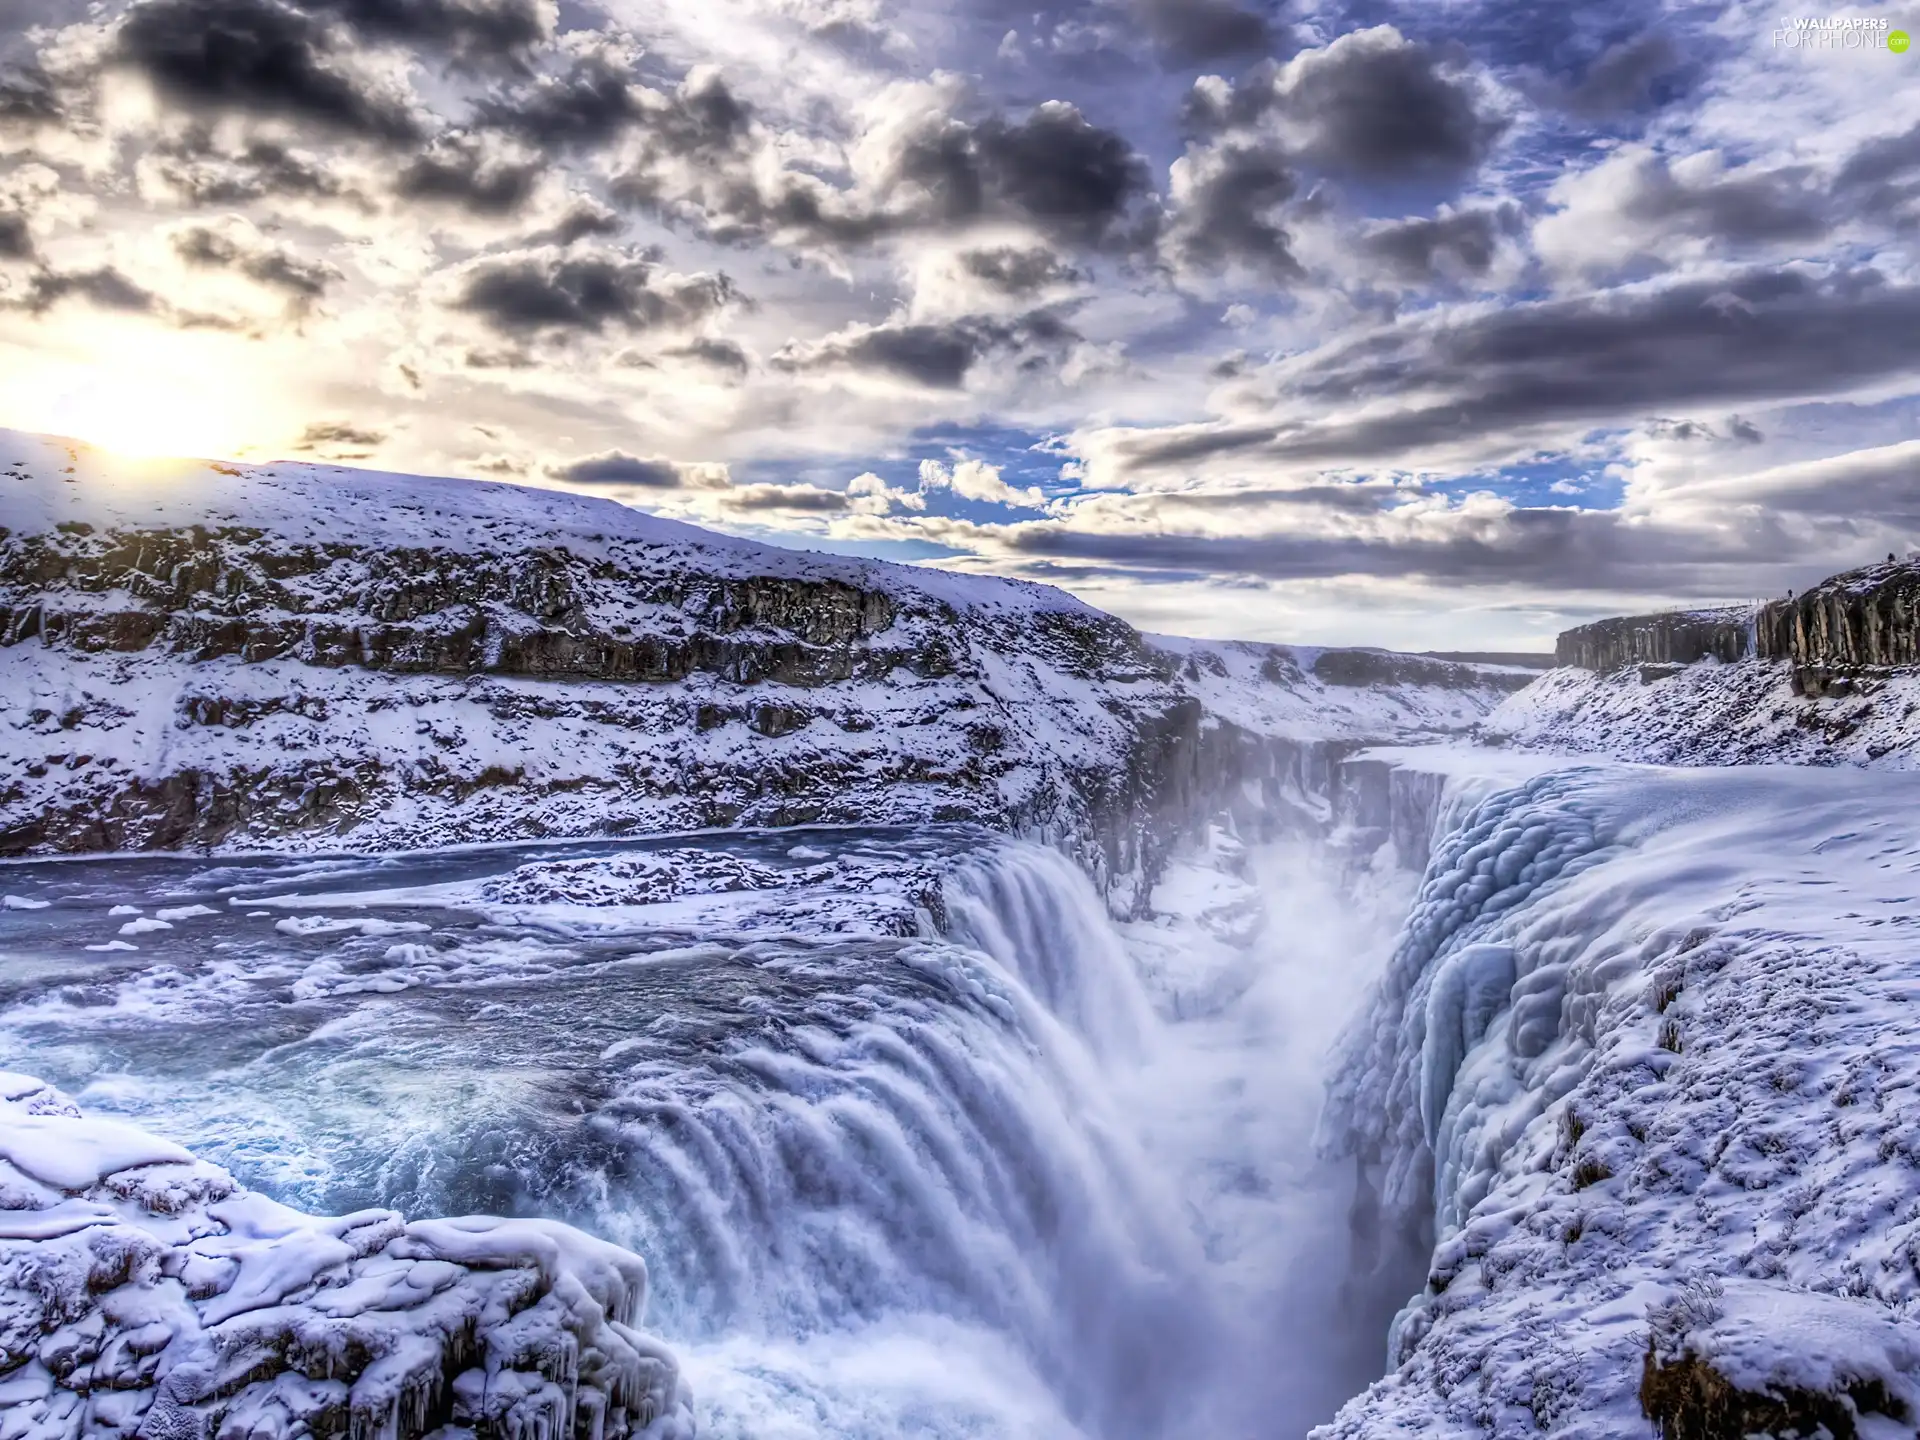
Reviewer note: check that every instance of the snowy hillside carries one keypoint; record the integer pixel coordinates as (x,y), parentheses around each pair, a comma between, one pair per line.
(1643,1069)
(144,1292)
(1709,713)
(294,655)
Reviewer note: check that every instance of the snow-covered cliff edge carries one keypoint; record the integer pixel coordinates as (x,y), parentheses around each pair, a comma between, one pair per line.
(1643,1071)
(298,656)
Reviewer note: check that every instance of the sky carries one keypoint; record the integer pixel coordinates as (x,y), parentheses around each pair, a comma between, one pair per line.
(1438,324)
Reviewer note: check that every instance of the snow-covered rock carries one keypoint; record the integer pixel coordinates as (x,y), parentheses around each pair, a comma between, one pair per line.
(1708,713)
(144,1293)
(1644,1072)
(294,655)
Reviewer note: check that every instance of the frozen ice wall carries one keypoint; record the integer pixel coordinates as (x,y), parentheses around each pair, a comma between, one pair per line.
(1643,1065)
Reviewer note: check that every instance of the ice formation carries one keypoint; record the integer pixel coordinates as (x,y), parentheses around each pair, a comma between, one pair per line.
(143,1292)
(1643,1067)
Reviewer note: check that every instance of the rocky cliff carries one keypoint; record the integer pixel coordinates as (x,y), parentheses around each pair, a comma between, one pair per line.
(295,655)
(1846,629)
(1677,637)
(1831,676)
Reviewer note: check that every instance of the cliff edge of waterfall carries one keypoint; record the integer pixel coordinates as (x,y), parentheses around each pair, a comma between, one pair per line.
(295,656)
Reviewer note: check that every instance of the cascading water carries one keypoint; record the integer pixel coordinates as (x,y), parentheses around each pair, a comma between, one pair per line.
(891,1176)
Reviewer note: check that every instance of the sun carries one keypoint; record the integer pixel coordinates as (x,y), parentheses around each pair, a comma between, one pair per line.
(147,416)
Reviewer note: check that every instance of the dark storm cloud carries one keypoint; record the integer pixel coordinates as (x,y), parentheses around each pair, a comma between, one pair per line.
(256,57)
(1769,334)
(1194,32)
(720,354)
(597,101)
(478,32)
(557,292)
(29,98)
(1441,247)
(584,220)
(1055,168)
(103,287)
(335,435)
(1227,216)
(207,175)
(468,171)
(793,499)
(1018,271)
(1372,105)
(616,467)
(303,281)
(1771,205)
(937,356)
(16,238)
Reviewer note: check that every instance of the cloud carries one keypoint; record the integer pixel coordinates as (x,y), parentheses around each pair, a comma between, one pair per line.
(1490,374)
(617,468)
(1638,209)
(339,440)
(1018,271)
(201,173)
(1226,201)
(103,287)
(259,57)
(597,100)
(473,172)
(1193,32)
(237,247)
(1623,78)
(554,292)
(29,99)
(1454,245)
(477,32)
(937,356)
(977,480)
(16,237)
(925,170)
(1371,105)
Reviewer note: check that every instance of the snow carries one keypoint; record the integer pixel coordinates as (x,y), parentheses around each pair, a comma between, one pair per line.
(1711,713)
(144,1292)
(1645,1030)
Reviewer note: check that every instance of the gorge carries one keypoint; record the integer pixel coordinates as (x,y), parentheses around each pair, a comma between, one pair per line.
(888,1002)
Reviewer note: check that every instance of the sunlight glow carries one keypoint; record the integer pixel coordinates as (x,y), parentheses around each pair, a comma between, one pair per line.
(147,396)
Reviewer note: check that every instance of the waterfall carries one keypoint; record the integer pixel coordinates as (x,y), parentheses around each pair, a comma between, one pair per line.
(926,1140)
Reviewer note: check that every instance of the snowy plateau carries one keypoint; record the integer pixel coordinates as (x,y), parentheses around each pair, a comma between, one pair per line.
(984,1019)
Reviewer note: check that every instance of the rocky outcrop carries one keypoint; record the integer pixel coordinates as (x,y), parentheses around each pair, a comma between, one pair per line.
(1849,629)
(1677,637)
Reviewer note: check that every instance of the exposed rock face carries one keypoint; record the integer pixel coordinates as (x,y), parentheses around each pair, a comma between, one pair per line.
(1677,637)
(1845,629)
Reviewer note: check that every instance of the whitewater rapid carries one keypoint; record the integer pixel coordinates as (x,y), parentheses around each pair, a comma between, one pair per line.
(914,1137)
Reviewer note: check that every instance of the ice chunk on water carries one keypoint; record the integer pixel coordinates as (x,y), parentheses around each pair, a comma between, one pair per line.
(185,912)
(21,902)
(144,927)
